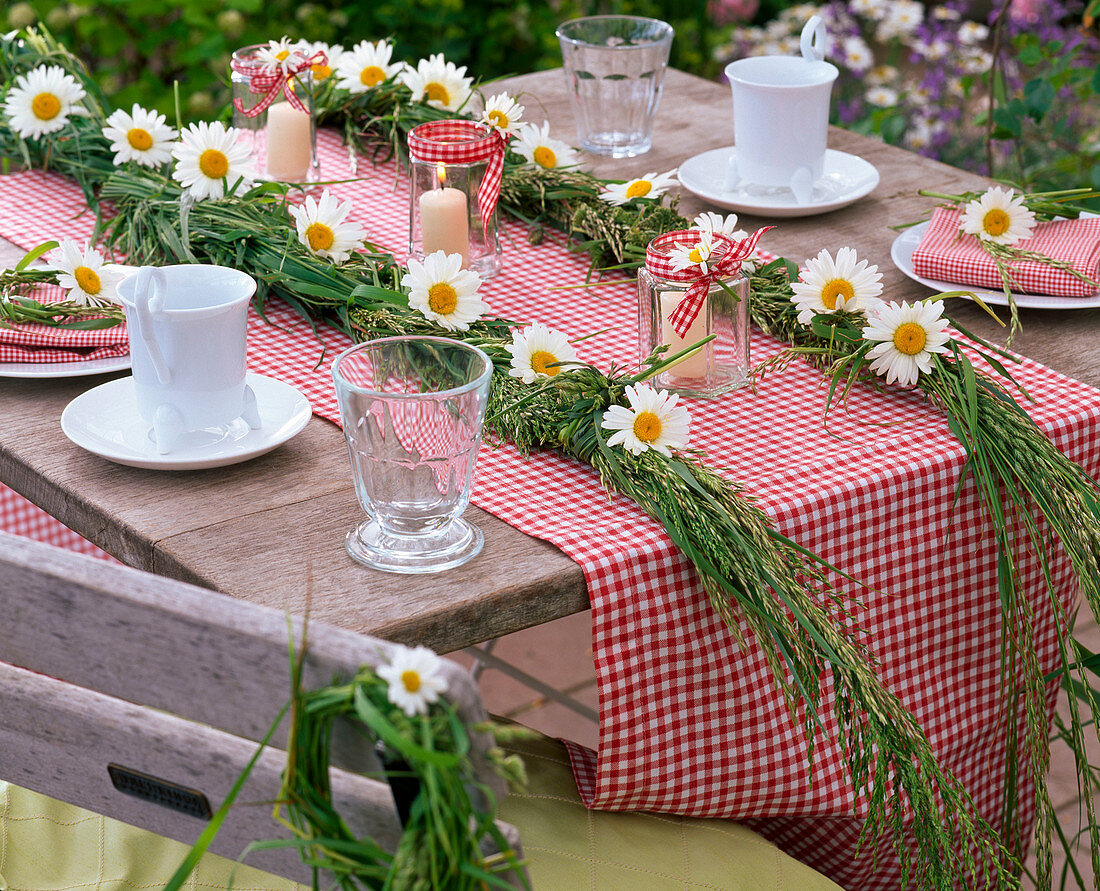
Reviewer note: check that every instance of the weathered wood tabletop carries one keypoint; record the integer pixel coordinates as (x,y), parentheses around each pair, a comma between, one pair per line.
(272,530)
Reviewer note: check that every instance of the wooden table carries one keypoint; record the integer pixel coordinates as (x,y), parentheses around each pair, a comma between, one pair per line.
(272,530)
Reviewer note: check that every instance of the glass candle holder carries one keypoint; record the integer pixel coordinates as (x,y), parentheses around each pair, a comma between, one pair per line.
(723,363)
(445,212)
(282,139)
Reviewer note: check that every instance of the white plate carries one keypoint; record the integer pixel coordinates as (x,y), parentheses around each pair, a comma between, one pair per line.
(847,179)
(64,369)
(901,252)
(105,421)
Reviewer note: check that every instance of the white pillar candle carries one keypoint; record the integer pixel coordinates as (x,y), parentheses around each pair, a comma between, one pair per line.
(288,143)
(444,222)
(693,366)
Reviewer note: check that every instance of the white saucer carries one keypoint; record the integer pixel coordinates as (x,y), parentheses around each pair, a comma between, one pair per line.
(64,369)
(901,252)
(105,421)
(847,179)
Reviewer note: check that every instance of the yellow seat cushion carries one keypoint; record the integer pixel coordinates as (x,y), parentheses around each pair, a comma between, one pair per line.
(47,845)
(570,848)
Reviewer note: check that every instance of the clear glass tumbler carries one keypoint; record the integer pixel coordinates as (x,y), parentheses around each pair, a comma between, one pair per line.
(412,410)
(615,66)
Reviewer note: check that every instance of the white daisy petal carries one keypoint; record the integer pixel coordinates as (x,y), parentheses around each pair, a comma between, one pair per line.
(444,292)
(321,228)
(81,272)
(827,285)
(650,186)
(539,148)
(140,136)
(438,82)
(41,101)
(366,65)
(653,421)
(686,256)
(905,336)
(210,161)
(414,678)
(539,352)
(503,112)
(998,216)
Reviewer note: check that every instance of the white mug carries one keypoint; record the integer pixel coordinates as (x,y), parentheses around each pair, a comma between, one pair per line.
(187,347)
(781,116)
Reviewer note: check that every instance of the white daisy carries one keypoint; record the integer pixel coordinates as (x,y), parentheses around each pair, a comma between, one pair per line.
(653,421)
(652,185)
(503,112)
(698,255)
(333,53)
(538,351)
(279,55)
(828,285)
(366,65)
(907,335)
(973,32)
(881,76)
(42,100)
(882,97)
(415,678)
(709,221)
(538,147)
(140,136)
(438,82)
(321,227)
(857,55)
(444,292)
(211,162)
(81,273)
(998,216)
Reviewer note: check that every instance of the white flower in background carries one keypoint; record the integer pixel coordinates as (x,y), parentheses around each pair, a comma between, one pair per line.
(210,162)
(444,292)
(857,54)
(503,112)
(901,20)
(792,46)
(438,82)
(934,51)
(539,352)
(652,185)
(81,273)
(653,421)
(539,147)
(881,75)
(972,32)
(694,255)
(140,136)
(976,60)
(998,216)
(42,100)
(366,65)
(279,55)
(709,221)
(332,51)
(907,335)
(873,9)
(321,227)
(415,679)
(882,97)
(946,14)
(827,285)
(919,134)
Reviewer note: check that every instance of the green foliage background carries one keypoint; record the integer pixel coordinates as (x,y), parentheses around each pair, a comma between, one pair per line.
(138,48)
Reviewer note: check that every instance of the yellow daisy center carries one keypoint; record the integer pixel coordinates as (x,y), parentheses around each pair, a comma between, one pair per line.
(541,359)
(213,164)
(910,338)
(411,680)
(88,279)
(996,221)
(695,255)
(321,72)
(46,106)
(837,288)
(647,426)
(140,139)
(281,55)
(639,189)
(498,119)
(371,76)
(319,236)
(442,299)
(436,92)
(545,157)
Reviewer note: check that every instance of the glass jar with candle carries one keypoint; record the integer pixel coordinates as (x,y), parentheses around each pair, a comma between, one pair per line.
(281,137)
(720,365)
(448,197)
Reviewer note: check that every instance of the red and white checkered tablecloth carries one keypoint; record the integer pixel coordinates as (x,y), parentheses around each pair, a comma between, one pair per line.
(46,344)
(690,722)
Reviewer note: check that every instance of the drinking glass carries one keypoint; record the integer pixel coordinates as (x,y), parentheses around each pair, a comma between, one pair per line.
(615,66)
(412,410)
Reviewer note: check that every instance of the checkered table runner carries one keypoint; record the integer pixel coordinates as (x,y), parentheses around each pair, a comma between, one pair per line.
(690,722)
(49,345)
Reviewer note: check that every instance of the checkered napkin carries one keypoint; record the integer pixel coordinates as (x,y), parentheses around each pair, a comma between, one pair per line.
(690,720)
(948,255)
(31,342)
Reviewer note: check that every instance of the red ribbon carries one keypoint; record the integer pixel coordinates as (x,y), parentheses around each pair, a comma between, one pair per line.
(463,142)
(272,82)
(726,258)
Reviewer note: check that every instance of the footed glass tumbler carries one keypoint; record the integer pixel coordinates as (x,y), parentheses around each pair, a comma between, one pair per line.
(412,410)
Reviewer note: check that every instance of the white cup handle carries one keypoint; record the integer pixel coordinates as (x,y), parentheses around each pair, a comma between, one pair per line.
(150,286)
(813,40)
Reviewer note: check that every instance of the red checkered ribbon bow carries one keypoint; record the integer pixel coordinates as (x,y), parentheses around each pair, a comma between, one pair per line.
(726,258)
(272,82)
(463,142)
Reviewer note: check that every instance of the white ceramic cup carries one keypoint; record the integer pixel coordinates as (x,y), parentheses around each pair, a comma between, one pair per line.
(187,347)
(781,116)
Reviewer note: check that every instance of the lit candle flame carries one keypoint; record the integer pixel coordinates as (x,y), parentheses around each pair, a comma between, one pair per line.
(441,172)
